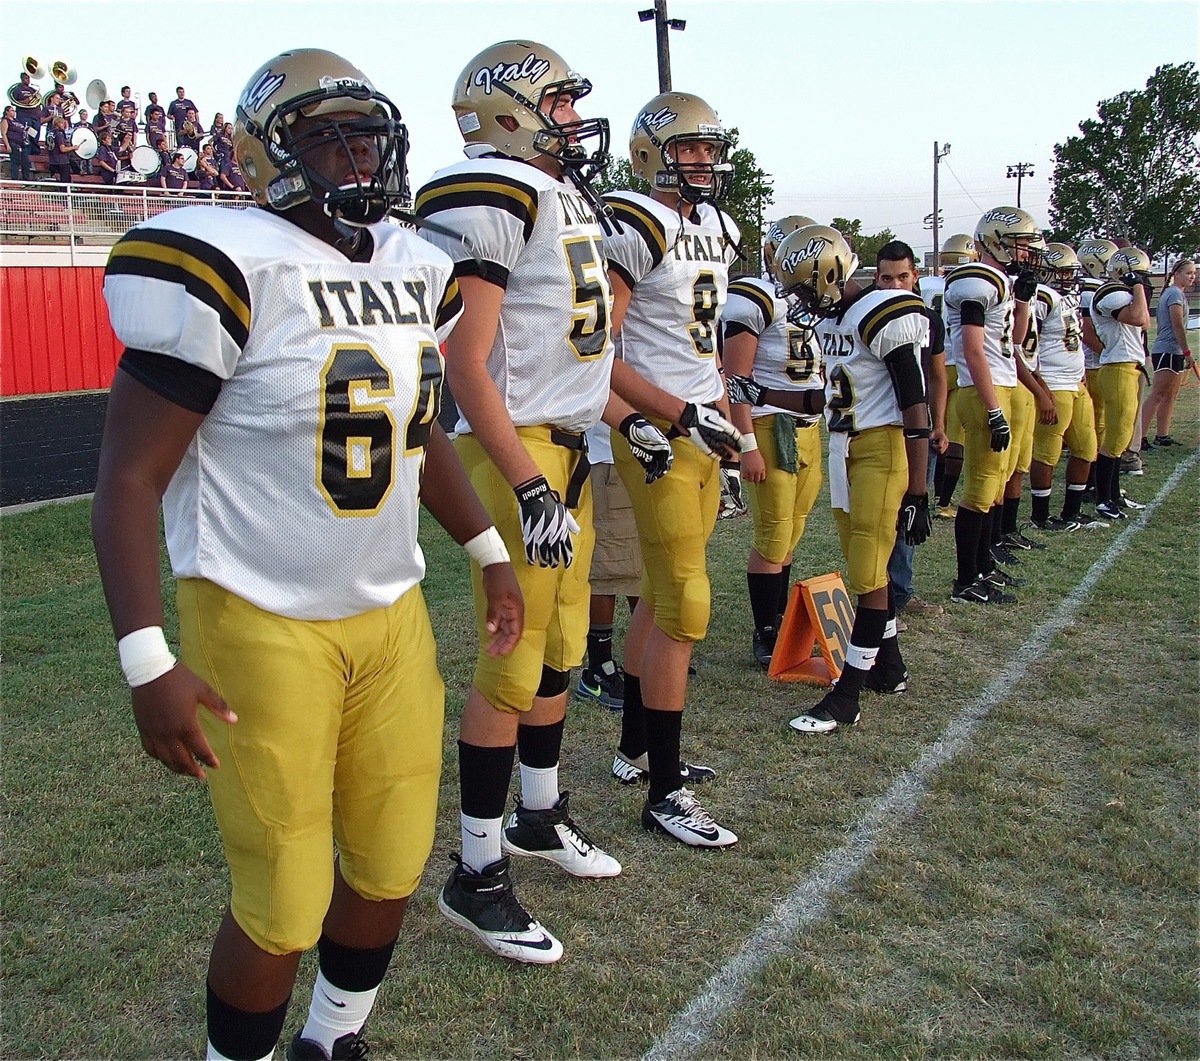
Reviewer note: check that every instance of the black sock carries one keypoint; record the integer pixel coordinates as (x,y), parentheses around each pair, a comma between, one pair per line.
(1041,505)
(484,774)
(1091,479)
(764,598)
(354,968)
(997,524)
(633,719)
(1105,467)
(1073,499)
(865,638)
(662,745)
(239,1035)
(539,746)
(953,469)
(785,587)
(599,645)
(889,645)
(1009,519)
(939,474)
(968,526)
(983,556)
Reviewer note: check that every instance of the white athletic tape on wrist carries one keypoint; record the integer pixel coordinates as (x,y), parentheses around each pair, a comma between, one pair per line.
(144,656)
(749,442)
(487,548)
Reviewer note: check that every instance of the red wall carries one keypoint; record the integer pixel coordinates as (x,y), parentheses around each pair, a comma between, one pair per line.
(54,331)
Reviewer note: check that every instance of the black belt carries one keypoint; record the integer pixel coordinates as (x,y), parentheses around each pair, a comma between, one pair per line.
(579,476)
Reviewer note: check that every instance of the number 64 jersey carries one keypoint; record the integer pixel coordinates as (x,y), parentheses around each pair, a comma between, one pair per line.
(300,489)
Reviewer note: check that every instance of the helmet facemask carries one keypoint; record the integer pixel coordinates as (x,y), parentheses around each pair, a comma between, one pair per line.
(679,176)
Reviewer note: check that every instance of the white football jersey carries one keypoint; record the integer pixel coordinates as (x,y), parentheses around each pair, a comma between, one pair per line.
(787,357)
(1122,342)
(1029,349)
(858,385)
(537,238)
(300,490)
(1060,343)
(678,271)
(980,294)
(933,292)
(1087,289)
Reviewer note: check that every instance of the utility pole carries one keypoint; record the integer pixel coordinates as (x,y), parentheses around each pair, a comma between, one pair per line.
(938,155)
(1020,170)
(661,25)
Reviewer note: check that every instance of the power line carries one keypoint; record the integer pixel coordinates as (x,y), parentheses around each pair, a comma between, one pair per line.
(964,188)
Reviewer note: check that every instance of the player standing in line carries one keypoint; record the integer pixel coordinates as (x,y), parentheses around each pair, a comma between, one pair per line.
(984,323)
(781,453)
(1060,357)
(1120,316)
(529,366)
(669,266)
(1093,257)
(279,394)
(879,432)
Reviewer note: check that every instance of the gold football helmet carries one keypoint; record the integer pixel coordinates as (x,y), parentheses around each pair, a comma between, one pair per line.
(1129,260)
(670,119)
(1007,231)
(309,83)
(1060,268)
(959,249)
(777,232)
(812,267)
(1093,256)
(503,101)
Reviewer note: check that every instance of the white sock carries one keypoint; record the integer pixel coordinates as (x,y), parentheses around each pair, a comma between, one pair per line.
(335,1012)
(862,658)
(211,1053)
(480,841)
(539,787)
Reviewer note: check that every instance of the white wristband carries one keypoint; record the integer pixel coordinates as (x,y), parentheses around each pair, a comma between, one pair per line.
(144,656)
(749,442)
(487,548)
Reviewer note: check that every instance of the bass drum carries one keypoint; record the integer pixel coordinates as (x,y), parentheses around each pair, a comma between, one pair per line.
(85,142)
(145,160)
(190,158)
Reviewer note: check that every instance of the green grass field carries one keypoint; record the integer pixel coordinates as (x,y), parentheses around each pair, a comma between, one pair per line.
(1040,900)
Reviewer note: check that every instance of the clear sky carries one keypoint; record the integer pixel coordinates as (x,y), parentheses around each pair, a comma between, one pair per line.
(841,102)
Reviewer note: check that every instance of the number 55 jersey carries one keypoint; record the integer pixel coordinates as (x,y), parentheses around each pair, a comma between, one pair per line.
(319,380)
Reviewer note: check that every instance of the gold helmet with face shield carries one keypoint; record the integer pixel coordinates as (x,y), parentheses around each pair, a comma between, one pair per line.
(777,232)
(1129,260)
(1093,256)
(958,249)
(668,121)
(1011,236)
(311,83)
(1060,268)
(812,266)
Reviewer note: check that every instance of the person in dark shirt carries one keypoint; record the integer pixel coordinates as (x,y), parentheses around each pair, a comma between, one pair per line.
(189,132)
(60,149)
(156,123)
(179,108)
(105,164)
(79,121)
(232,179)
(218,123)
(29,115)
(14,138)
(127,119)
(152,105)
(173,177)
(208,172)
(223,145)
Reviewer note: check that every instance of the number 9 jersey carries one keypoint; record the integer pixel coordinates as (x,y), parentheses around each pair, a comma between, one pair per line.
(319,378)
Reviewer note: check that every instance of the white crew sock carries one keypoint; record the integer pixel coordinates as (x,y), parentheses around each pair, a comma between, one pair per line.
(539,787)
(335,1012)
(480,841)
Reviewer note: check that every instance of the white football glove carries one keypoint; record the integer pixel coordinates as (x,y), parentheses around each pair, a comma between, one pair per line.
(710,431)
(546,525)
(649,446)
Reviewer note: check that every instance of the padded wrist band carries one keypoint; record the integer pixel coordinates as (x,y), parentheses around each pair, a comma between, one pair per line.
(487,548)
(144,656)
(749,442)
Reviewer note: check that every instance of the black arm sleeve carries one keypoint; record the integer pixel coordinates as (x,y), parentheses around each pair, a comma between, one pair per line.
(972,313)
(189,386)
(732,328)
(908,381)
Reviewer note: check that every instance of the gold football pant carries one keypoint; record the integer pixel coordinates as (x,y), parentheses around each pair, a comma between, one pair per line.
(984,471)
(1076,427)
(779,506)
(954,424)
(1092,379)
(877,473)
(1119,387)
(1024,410)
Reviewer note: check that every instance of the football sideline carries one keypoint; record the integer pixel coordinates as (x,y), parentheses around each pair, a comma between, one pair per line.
(809,900)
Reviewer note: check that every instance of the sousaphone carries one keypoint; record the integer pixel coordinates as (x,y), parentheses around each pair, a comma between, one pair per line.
(95,94)
(33,67)
(63,72)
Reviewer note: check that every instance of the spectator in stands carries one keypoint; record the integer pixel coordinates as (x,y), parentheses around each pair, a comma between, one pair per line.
(59,149)
(179,108)
(127,120)
(79,121)
(123,143)
(223,144)
(105,164)
(151,105)
(189,133)
(208,171)
(173,177)
(29,116)
(156,120)
(126,94)
(231,177)
(218,123)
(106,118)
(54,105)
(15,141)
(164,153)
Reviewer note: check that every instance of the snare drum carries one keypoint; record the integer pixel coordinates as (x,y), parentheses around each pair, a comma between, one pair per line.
(190,158)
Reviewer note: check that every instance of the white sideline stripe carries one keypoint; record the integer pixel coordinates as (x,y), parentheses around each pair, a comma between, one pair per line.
(809,900)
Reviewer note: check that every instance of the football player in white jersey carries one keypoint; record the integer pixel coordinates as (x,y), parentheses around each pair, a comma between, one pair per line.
(1120,316)
(985,320)
(1093,255)
(669,265)
(781,453)
(530,368)
(279,393)
(879,429)
(1060,361)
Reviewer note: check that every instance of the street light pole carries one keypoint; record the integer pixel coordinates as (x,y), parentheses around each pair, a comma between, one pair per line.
(938,155)
(661,25)
(1020,170)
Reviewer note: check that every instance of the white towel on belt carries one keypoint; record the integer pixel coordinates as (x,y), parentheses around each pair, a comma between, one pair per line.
(839,481)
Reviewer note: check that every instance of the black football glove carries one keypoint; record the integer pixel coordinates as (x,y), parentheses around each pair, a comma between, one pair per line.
(915,523)
(1130,279)
(745,390)
(710,431)
(546,525)
(649,446)
(1001,432)
(1025,286)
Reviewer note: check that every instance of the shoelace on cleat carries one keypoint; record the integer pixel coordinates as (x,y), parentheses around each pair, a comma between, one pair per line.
(685,800)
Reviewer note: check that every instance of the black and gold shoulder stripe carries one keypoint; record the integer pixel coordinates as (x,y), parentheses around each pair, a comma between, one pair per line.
(480,189)
(206,273)
(451,304)
(876,320)
(645,224)
(1044,298)
(1103,291)
(756,295)
(974,272)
